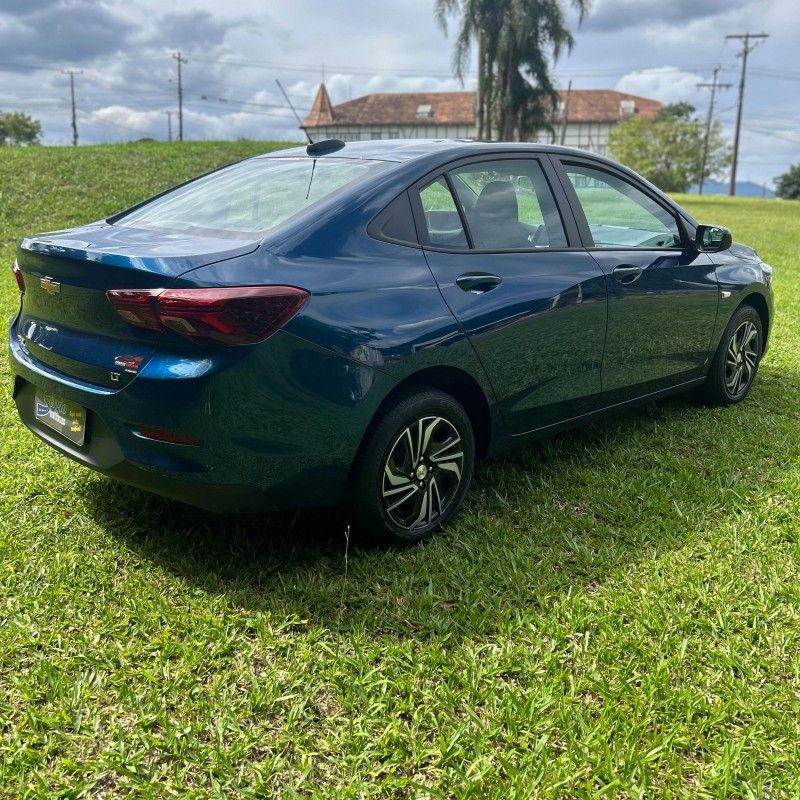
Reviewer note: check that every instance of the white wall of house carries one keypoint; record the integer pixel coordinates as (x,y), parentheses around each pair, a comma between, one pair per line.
(355,133)
(591,136)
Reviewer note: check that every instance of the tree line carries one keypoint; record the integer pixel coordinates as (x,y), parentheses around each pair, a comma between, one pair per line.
(17,128)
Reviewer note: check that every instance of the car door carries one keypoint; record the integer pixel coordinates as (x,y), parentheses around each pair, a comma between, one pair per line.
(532,301)
(662,293)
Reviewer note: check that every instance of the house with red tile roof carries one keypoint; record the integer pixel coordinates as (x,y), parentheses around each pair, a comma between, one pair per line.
(590,116)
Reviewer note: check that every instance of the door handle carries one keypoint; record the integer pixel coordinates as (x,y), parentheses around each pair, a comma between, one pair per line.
(626,273)
(478,282)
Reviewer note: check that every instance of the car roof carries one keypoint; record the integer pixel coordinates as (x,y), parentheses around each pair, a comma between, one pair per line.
(412,149)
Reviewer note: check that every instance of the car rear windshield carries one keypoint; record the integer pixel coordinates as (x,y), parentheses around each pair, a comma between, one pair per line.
(246,200)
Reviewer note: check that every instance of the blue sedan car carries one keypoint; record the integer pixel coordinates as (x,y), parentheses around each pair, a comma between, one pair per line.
(354,325)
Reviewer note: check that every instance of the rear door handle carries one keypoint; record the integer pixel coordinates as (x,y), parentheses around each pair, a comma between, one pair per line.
(626,273)
(478,282)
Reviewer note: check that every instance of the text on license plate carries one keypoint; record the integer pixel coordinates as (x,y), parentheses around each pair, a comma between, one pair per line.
(63,416)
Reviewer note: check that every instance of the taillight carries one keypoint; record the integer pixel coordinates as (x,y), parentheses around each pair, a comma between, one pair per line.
(18,276)
(229,315)
(164,435)
(136,307)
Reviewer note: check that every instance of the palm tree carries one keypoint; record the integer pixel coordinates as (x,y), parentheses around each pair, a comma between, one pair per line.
(480,22)
(516,39)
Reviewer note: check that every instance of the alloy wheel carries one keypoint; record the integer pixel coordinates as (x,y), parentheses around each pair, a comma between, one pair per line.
(423,473)
(741,359)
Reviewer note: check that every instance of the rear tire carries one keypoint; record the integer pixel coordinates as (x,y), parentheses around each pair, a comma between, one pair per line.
(414,470)
(733,370)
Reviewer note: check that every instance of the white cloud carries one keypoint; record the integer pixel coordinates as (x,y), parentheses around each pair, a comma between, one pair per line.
(123,122)
(667,84)
(345,86)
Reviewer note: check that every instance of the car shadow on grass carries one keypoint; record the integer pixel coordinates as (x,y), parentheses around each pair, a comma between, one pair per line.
(563,515)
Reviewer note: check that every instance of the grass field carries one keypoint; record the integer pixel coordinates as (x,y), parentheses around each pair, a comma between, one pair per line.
(616,613)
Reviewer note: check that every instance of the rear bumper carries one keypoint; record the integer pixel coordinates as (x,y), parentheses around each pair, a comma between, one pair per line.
(102,453)
(278,428)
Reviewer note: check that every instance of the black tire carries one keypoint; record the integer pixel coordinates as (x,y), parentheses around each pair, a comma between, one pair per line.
(739,354)
(387,505)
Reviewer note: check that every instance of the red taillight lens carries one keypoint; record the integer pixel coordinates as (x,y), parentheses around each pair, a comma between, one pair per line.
(163,435)
(241,315)
(18,276)
(231,315)
(136,307)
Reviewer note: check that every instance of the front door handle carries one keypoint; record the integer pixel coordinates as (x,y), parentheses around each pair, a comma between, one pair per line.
(478,282)
(626,273)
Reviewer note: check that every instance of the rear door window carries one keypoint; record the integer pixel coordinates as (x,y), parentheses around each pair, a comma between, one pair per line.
(508,205)
(442,220)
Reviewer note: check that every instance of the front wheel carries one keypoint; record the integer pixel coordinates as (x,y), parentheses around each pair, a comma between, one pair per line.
(735,364)
(414,469)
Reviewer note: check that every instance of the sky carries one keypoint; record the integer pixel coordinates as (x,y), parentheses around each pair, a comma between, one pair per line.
(235,51)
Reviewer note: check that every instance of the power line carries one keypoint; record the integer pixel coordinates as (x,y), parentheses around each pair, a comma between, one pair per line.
(747,48)
(240,102)
(202,106)
(181,60)
(783,135)
(315,68)
(714,85)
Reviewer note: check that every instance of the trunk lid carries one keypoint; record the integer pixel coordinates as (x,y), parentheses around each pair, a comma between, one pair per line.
(66,320)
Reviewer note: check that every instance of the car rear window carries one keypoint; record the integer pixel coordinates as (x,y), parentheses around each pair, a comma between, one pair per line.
(246,200)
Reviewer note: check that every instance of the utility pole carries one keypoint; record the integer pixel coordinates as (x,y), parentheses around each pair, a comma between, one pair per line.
(181,60)
(747,48)
(169,124)
(566,114)
(72,73)
(714,85)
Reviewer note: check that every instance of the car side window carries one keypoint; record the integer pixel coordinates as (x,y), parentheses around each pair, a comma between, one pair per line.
(442,220)
(508,205)
(619,214)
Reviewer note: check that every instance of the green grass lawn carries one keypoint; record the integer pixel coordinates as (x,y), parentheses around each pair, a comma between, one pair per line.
(616,613)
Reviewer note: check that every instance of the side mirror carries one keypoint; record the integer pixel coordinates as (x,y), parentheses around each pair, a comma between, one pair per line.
(712,238)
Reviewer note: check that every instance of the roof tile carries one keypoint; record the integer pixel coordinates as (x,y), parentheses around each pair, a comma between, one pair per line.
(458,108)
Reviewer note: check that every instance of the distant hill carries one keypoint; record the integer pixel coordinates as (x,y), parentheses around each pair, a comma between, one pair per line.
(743,189)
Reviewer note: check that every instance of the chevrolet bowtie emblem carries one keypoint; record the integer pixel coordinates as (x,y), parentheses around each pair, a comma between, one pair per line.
(49,285)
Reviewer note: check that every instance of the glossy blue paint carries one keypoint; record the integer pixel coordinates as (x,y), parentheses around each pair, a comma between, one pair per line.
(539,333)
(661,323)
(280,423)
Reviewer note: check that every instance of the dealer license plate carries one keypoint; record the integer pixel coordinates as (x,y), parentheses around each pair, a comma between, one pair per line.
(64,417)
